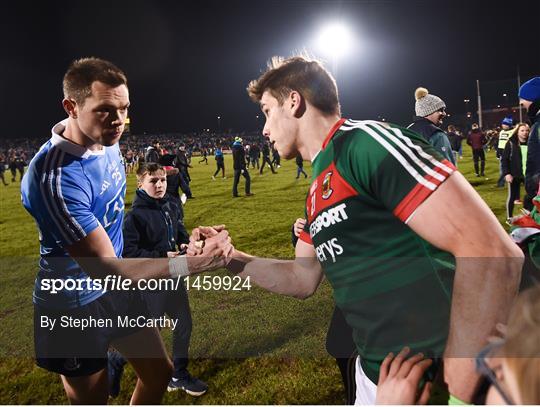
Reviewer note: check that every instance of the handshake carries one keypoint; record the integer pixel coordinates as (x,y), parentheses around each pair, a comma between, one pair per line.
(209,248)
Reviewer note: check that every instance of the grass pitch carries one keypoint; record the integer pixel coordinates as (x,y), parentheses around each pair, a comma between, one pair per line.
(278,342)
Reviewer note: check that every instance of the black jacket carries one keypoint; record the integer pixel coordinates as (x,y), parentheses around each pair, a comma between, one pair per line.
(424,127)
(152,155)
(255,151)
(434,136)
(153,227)
(511,159)
(173,185)
(266,150)
(181,161)
(455,140)
(239,157)
(167,160)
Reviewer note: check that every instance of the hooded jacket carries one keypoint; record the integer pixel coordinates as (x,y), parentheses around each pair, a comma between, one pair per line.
(153,227)
(218,154)
(532,174)
(265,150)
(181,161)
(434,136)
(239,158)
(512,159)
(152,155)
(476,139)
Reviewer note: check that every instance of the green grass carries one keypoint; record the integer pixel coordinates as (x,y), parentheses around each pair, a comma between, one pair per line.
(283,337)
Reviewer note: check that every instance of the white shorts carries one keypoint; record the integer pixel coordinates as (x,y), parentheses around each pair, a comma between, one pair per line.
(366,390)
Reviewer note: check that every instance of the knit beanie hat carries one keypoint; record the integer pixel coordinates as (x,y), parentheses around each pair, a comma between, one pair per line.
(426,103)
(508,120)
(530,90)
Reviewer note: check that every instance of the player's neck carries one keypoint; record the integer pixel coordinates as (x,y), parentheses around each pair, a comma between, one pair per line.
(313,133)
(74,134)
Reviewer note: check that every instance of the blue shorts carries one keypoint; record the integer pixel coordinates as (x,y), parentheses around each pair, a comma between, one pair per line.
(72,350)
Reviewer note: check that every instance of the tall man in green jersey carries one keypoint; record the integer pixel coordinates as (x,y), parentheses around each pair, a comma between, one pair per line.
(387,219)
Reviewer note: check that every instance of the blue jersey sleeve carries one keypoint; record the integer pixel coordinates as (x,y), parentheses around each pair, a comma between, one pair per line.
(67,198)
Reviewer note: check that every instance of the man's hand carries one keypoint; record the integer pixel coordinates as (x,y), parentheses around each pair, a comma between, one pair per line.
(198,237)
(399,379)
(209,248)
(299,226)
(172,254)
(508,178)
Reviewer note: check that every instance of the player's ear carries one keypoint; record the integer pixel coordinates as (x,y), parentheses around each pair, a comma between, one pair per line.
(71,108)
(297,104)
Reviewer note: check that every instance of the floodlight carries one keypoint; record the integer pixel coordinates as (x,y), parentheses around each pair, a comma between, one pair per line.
(335,39)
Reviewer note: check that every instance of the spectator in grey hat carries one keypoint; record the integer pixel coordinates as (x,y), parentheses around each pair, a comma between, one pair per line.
(430,111)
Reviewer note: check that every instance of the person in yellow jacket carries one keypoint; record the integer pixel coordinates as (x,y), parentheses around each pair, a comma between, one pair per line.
(504,135)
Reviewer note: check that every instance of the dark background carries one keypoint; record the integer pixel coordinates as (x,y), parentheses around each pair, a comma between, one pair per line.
(188,62)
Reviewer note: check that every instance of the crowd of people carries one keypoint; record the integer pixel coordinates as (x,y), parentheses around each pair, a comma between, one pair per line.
(399,234)
(14,156)
(509,141)
(170,150)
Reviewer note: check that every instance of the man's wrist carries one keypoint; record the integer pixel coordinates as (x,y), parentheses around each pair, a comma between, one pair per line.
(461,379)
(454,401)
(238,262)
(178,266)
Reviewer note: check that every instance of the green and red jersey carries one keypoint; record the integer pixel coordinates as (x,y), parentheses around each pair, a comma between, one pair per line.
(393,287)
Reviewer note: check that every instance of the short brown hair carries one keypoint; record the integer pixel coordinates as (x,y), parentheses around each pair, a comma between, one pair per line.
(148,168)
(77,83)
(298,73)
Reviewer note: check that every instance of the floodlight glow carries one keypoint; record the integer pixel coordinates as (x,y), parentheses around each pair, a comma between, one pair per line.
(335,39)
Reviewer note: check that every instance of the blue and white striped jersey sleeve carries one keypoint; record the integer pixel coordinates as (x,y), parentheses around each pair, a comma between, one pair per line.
(66,197)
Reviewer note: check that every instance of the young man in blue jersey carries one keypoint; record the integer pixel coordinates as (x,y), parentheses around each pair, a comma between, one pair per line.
(74,189)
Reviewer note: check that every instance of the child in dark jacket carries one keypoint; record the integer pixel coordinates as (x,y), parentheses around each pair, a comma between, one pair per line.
(154,228)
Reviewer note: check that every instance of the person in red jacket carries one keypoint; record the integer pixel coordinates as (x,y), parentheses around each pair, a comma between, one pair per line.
(476,139)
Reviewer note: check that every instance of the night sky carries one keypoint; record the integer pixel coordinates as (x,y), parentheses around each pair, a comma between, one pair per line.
(189,62)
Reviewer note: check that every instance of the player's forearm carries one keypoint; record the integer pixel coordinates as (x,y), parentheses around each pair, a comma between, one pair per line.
(133,268)
(148,268)
(277,276)
(484,290)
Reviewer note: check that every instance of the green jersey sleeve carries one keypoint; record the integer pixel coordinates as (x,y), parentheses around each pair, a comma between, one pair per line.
(391,165)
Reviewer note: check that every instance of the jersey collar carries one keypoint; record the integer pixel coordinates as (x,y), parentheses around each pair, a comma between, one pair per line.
(333,130)
(67,145)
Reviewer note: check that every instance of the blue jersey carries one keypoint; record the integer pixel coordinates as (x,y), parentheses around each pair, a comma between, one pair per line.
(70,191)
